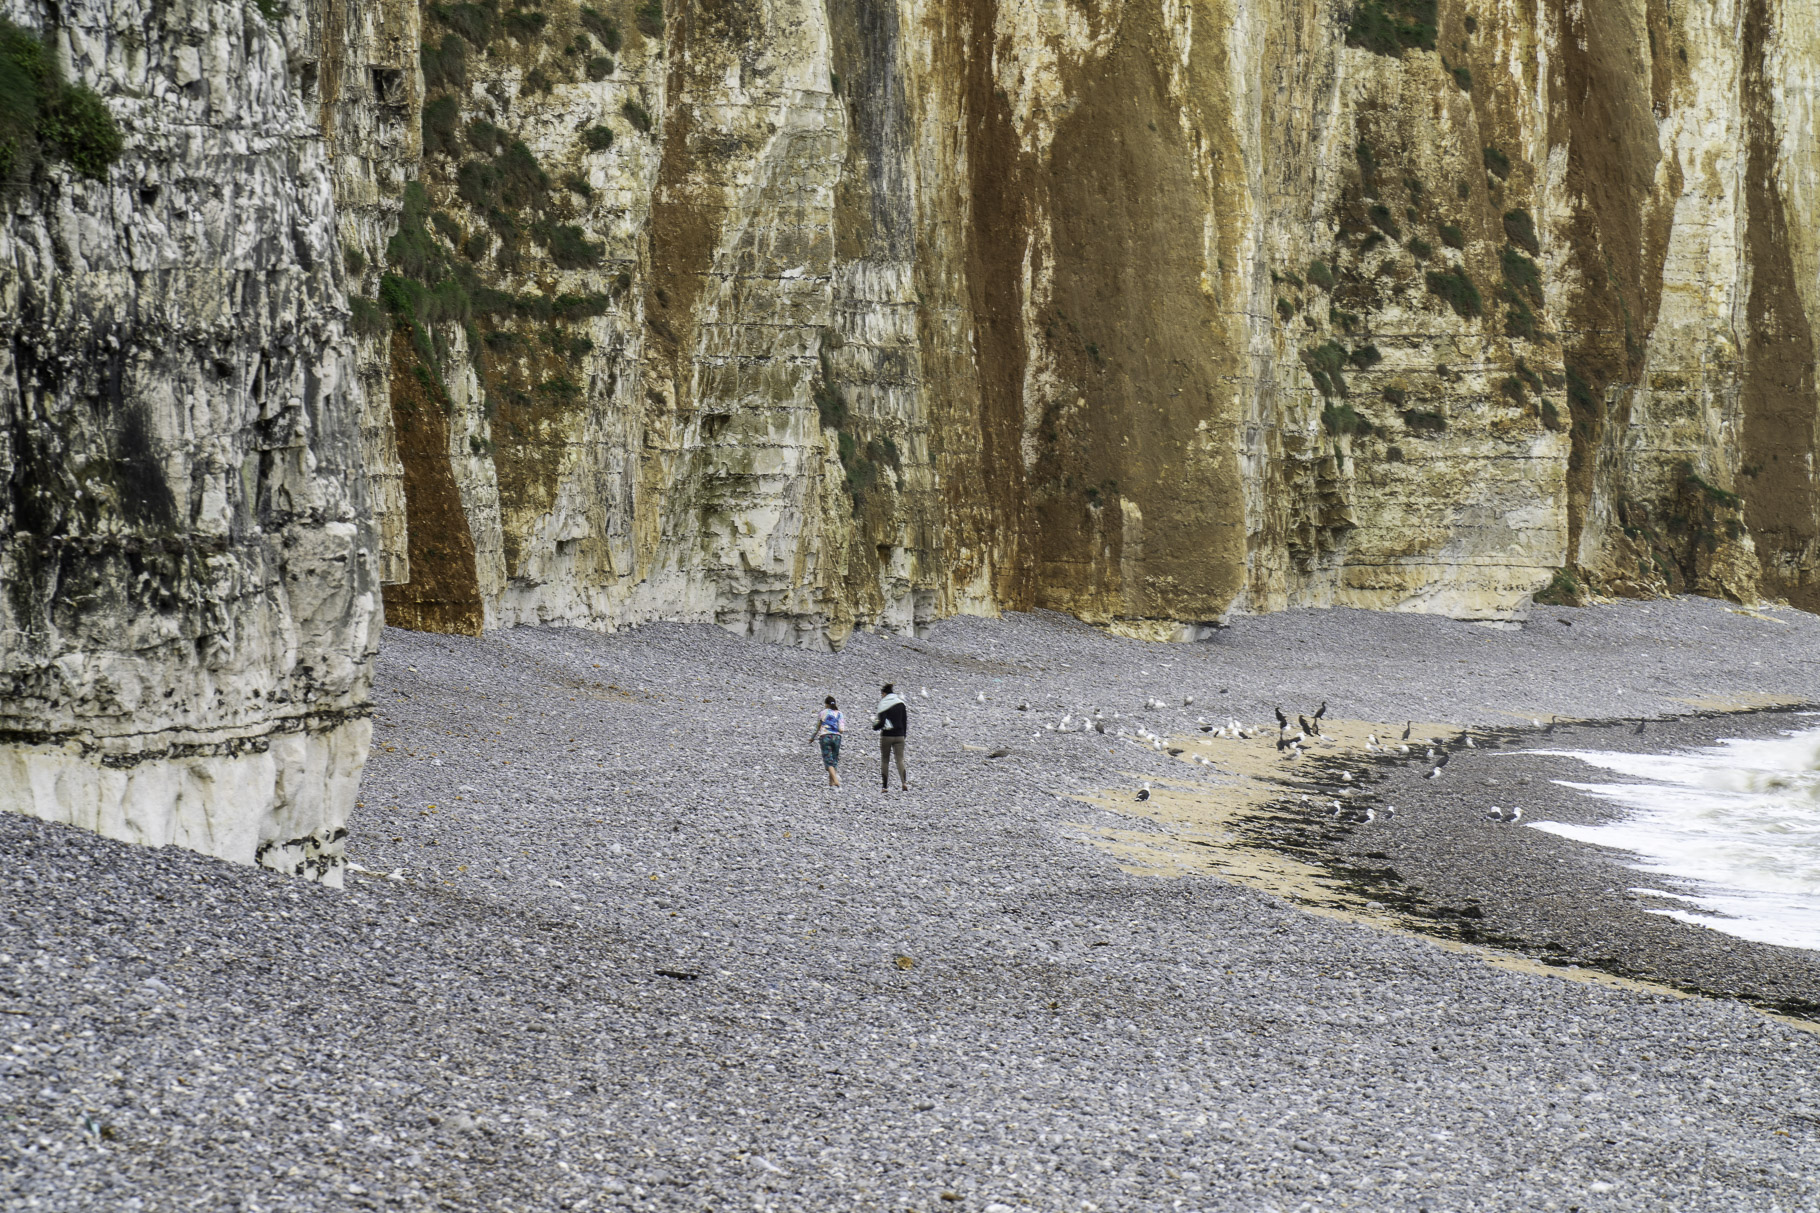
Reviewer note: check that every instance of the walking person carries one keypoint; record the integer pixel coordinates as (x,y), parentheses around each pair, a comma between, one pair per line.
(892,723)
(830,726)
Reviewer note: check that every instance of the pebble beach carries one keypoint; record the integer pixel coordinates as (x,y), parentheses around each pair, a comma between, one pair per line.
(609,942)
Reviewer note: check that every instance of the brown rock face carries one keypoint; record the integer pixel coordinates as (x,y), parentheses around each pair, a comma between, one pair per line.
(801,318)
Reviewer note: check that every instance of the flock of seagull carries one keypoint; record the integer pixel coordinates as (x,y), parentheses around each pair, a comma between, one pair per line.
(1294,740)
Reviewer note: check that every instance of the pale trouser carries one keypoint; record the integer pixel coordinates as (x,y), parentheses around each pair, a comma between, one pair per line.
(887,746)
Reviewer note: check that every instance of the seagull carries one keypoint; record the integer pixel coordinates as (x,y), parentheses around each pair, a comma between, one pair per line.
(1099,726)
(1023,707)
(1470,743)
(1406,728)
(1144,792)
(1439,763)
(1496,814)
(980,696)
(1067,720)
(1402,749)
(1390,812)
(1346,775)
(1508,818)
(925,692)
(1516,815)
(1188,701)
(1336,807)
(1371,741)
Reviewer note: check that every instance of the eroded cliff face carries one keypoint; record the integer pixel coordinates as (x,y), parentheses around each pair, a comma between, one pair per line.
(798,317)
(191,594)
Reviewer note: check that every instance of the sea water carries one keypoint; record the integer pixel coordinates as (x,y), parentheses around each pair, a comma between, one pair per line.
(1738,821)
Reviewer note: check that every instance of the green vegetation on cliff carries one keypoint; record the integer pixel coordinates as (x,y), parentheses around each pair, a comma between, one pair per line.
(42,117)
(1390,27)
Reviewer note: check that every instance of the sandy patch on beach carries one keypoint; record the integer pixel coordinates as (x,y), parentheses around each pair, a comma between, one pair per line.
(1198,825)
(1206,826)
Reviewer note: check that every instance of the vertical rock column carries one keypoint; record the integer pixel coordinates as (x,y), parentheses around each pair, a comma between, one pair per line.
(189,605)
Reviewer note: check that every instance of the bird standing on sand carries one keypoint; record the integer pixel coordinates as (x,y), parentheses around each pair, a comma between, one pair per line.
(1282,720)
(1144,792)
(1407,726)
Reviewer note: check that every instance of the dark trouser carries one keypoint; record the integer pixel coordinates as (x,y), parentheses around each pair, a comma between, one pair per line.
(887,746)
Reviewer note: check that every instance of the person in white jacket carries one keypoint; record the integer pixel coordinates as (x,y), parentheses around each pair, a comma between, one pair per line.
(891,721)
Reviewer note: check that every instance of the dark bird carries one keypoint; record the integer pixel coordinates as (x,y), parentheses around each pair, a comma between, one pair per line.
(1568,622)
(1144,792)
(1551,724)
(1406,728)
(1321,711)
(1206,728)
(1310,729)
(1640,725)
(1175,751)
(1282,720)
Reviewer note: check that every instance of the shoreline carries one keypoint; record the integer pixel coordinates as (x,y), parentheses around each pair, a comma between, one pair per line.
(1521,897)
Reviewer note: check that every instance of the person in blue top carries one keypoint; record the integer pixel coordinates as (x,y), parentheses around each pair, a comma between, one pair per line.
(829,726)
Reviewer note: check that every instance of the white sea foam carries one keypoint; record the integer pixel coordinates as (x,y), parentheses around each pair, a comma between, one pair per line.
(1739,821)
